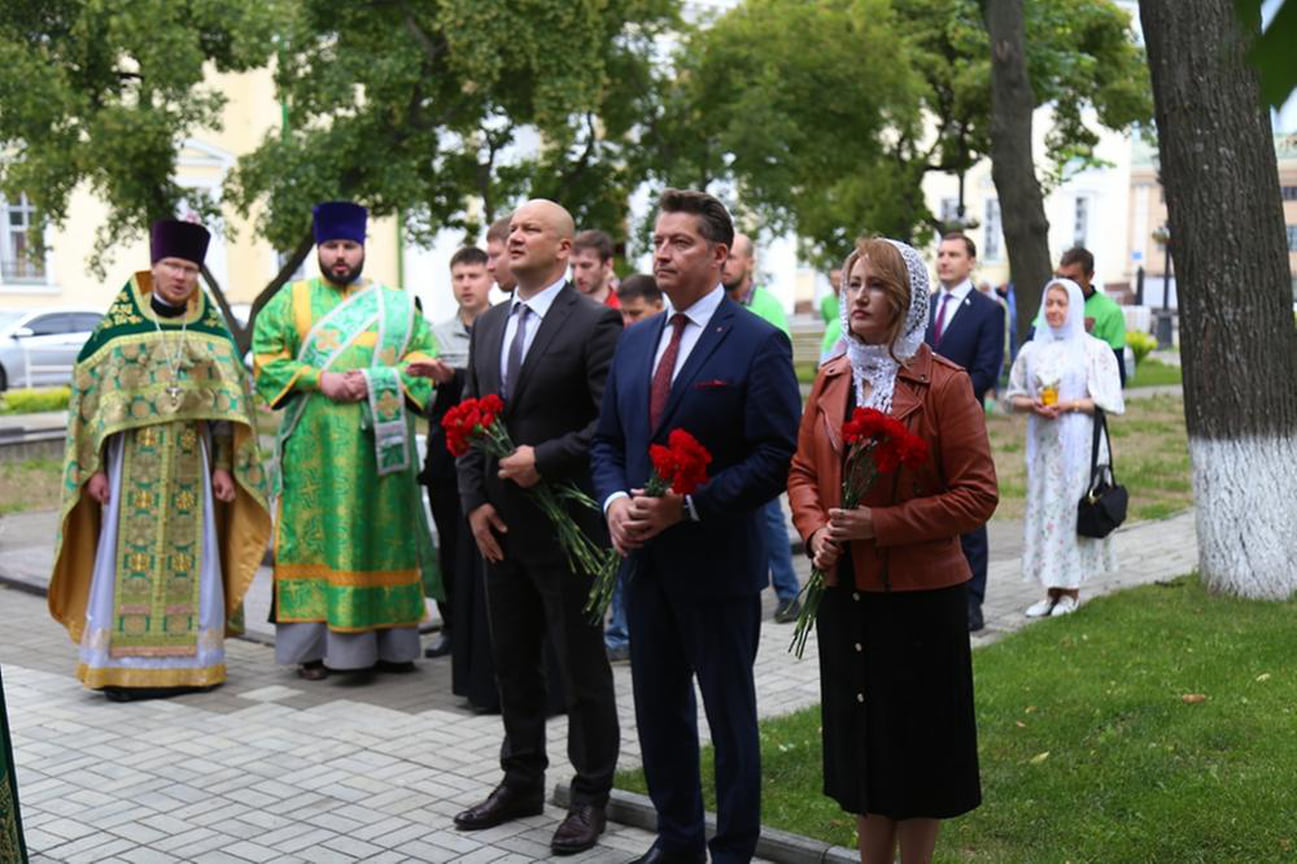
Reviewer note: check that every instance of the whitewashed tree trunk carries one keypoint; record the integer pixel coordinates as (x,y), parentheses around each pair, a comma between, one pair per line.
(1237,339)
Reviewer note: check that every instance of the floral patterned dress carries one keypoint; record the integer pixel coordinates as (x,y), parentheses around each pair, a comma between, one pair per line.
(1058,462)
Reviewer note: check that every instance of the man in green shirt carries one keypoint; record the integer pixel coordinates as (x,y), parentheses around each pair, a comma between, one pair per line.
(736,276)
(829,310)
(1104,319)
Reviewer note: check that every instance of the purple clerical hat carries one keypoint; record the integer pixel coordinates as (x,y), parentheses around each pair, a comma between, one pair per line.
(340,220)
(171,238)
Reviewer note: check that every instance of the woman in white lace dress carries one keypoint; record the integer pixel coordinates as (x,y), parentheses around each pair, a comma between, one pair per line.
(1059,378)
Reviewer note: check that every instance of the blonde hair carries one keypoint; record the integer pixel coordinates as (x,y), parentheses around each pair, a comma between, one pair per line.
(888,266)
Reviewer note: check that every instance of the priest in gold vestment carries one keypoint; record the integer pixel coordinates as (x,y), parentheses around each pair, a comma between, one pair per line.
(164,517)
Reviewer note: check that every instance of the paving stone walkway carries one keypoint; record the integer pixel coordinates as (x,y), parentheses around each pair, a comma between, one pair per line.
(271,768)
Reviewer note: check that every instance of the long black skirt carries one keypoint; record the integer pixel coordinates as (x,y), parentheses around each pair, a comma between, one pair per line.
(896,673)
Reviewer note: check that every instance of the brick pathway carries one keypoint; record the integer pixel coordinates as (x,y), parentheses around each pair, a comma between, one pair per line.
(271,768)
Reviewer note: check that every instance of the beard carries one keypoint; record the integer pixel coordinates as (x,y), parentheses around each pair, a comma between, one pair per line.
(345,278)
(732,286)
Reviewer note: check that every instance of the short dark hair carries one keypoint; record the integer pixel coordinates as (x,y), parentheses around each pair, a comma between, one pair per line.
(968,241)
(596,240)
(640,285)
(499,229)
(468,255)
(1078,255)
(714,221)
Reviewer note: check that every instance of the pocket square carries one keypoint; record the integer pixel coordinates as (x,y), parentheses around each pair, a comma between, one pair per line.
(714,384)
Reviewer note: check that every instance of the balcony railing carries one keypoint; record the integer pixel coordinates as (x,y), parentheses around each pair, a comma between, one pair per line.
(22,270)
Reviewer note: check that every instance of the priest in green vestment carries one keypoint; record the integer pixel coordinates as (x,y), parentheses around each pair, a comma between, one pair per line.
(164,518)
(353,548)
(12,847)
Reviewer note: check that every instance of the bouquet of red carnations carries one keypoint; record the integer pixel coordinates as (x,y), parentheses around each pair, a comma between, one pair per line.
(476,423)
(679,467)
(877,445)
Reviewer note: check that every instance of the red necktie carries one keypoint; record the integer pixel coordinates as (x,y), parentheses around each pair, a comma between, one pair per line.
(666,367)
(941,320)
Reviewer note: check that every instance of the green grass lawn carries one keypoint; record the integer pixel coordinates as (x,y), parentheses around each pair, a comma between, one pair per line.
(1152,457)
(33,484)
(1155,725)
(1154,373)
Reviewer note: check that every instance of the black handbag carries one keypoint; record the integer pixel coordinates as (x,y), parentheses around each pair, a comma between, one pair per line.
(1103,506)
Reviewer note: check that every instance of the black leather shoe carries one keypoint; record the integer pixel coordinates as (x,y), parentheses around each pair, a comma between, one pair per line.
(393,668)
(439,646)
(502,805)
(975,621)
(657,855)
(580,830)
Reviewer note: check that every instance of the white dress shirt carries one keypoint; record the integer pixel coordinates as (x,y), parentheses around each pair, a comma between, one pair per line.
(958,295)
(700,314)
(539,305)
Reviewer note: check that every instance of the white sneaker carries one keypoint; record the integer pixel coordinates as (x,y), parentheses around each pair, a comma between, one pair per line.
(1066,605)
(1040,609)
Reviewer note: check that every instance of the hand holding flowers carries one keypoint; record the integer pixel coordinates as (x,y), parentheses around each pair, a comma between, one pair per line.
(888,445)
(476,423)
(679,468)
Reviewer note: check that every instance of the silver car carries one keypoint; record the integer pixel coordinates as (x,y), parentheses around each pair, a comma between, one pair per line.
(38,347)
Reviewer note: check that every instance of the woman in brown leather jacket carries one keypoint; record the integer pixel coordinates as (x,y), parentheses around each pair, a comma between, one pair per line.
(900,740)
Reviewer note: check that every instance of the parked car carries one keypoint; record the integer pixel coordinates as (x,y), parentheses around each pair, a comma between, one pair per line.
(38,347)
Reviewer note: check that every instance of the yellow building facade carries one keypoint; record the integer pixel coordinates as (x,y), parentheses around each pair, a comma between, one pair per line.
(241,262)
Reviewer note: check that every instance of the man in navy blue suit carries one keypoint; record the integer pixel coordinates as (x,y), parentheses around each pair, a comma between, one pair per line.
(967,327)
(712,368)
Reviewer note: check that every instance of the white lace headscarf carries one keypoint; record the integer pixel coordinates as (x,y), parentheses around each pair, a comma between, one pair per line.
(1062,349)
(877,364)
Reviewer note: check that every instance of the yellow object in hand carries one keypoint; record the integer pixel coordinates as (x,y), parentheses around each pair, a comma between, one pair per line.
(1049,395)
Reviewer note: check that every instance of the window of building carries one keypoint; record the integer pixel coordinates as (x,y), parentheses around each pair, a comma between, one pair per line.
(17,261)
(1081,221)
(1289,193)
(1292,238)
(993,237)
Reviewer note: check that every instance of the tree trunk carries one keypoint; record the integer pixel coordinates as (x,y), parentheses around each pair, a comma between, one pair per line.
(1022,207)
(243,335)
(1238,344)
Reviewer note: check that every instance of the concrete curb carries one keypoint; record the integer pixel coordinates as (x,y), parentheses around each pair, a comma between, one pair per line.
(629,808)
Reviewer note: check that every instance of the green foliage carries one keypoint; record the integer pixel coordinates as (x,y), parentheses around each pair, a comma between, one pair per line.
(408,106)
(1087,741)
(1140,344)
(105,93)
(826,116)
(34,400)
(1272,51)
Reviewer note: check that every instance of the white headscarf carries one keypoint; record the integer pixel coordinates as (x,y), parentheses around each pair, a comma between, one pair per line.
(1065,347)
(876,364)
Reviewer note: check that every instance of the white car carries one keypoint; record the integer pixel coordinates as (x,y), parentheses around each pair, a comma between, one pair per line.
(38,347)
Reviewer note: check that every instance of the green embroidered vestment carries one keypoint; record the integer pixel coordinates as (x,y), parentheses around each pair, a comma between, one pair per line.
(352,545)
(12,847)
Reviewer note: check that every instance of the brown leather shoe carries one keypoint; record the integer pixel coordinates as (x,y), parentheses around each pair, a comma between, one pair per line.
(502,805)
(580,830)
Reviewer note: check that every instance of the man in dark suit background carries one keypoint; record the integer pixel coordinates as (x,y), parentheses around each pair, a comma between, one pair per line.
(546,352)
(714,369)
(967,327)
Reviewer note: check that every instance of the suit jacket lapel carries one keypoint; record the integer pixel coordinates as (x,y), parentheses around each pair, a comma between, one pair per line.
(907,396)
(832,404)
(549,325)
(708,341)
(955,313)
(492,342)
